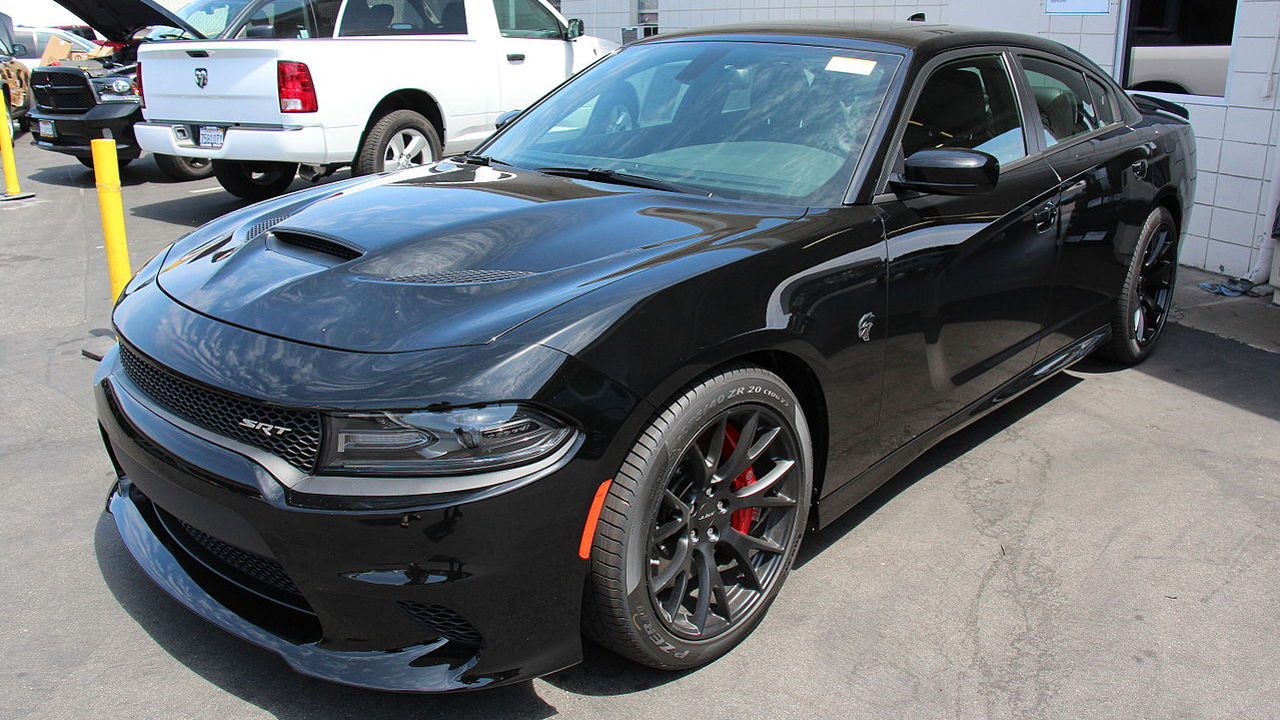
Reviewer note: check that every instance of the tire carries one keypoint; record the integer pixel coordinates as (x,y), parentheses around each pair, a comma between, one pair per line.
(183,169)
(1146,298)
(397,140)
(647,553)
(88,162)
(254,180)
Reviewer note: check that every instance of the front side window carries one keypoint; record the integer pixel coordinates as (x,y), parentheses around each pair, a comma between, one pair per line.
(750,121)
(28,38)
(967,104)
(526,19)
(404,17)
(281,19)
(1065,102)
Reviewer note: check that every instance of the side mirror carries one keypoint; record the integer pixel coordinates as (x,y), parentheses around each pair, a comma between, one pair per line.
(576,28)
(950,171)
(505,119)
(19,50)
(267,31)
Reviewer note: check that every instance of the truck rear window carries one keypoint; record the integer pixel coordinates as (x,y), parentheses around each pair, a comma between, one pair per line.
(403,17)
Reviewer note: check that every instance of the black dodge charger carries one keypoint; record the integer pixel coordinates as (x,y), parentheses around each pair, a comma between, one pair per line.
(424,430)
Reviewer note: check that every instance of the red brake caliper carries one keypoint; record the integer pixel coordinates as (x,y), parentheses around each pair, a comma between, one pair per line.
(742,519)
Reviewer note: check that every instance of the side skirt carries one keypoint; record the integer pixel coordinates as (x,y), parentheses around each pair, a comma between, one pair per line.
(851,493)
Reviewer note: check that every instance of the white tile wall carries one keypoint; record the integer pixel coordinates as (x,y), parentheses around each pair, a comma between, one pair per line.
(1236,137)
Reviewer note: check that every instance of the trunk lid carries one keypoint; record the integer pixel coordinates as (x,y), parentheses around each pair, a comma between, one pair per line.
(217,82)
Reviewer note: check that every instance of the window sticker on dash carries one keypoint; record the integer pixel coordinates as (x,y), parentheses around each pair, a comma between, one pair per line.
(855,66)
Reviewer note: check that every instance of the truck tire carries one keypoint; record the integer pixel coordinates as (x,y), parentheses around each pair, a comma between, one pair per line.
(254,180)
(397,140)
(184,168)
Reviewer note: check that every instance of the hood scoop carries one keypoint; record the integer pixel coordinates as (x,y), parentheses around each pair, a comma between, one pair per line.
(462,277)
(314,244)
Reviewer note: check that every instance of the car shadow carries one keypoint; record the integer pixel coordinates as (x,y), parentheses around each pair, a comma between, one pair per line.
(260,677)
(263,679)
(192,211)
(73,174)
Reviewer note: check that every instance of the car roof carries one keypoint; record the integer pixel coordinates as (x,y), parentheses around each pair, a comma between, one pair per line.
(921,38)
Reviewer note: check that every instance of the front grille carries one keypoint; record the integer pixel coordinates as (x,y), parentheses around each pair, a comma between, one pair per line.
(224,413)
(62,90)
(461,277)
(443,622)
(264,570)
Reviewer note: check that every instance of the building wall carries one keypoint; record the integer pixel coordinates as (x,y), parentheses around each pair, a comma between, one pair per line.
(1237,138)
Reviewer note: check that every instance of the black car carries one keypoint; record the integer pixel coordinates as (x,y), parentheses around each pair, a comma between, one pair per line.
(420,431)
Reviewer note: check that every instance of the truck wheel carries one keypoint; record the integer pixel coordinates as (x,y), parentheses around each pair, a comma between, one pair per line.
(398,140)
(184,168)
(254,180)
(88,162)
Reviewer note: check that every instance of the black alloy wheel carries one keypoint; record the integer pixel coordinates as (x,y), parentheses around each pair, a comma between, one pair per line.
(1147,296)
(183,169)
(702,522)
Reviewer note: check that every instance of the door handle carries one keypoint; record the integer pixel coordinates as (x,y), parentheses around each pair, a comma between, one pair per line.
(1139,168)
(1046,217)
(515,57)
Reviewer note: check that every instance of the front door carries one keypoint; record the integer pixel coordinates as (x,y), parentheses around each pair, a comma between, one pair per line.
(969,276)
(534,52)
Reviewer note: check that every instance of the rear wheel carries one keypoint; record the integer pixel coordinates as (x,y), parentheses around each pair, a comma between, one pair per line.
(184,168)
(701,522)
(398,140)
(254,180)
(1147,296)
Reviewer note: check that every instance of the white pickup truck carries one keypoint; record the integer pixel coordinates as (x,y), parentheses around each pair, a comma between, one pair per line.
(375,84)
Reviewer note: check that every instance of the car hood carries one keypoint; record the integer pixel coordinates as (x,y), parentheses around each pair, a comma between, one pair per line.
(118,20)
(445,255)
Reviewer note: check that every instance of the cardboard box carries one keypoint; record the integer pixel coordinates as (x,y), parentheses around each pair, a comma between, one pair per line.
(55,49)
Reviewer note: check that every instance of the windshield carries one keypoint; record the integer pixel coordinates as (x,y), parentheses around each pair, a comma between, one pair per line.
(743,120)
(210,17)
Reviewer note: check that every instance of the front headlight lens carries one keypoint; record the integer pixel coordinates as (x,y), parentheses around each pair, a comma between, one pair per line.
(118,90)
(465,440)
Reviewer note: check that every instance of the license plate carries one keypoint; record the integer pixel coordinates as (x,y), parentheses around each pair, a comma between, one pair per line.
(47,129)
(211,136)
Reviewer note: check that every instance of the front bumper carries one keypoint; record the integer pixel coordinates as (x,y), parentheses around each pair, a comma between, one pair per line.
(306,145)
(72,133)
(448,593)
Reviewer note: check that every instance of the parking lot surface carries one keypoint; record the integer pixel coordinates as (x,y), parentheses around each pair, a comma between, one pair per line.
(1105,546)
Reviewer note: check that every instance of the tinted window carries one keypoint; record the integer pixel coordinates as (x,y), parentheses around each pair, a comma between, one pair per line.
(285,18)
(749,121)
(526,19)
(1065,102)
(1103,102)
(404,17)
(970,104)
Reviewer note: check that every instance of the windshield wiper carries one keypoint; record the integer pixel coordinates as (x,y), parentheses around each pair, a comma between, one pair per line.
(485,160)
(621,178)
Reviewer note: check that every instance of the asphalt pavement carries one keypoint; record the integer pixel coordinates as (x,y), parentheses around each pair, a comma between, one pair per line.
(1105,546)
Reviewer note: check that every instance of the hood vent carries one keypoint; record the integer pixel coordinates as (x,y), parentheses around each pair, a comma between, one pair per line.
(461,277)
(318,244)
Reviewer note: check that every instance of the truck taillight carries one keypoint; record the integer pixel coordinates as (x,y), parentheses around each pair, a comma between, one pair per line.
(137,80)
(297,92)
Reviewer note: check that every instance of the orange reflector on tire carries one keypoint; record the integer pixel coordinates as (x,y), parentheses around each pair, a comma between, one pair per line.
(593,517)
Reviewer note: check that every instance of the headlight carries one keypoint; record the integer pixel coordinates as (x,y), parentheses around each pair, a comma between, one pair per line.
(466,440)
(119,90)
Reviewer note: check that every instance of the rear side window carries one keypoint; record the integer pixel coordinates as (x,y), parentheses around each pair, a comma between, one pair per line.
(1066,104)
(280,19)
(404,17)
(526,19)
(969,104)
(1102,102)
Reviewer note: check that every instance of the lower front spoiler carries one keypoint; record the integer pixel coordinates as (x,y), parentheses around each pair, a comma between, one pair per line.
(409,669)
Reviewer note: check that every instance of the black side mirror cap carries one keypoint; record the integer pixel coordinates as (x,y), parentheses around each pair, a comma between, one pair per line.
(19,50)
(949,171)
(505,119)
(576,28)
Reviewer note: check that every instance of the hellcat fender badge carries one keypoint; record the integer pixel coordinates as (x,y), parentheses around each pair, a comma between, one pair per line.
(865,324)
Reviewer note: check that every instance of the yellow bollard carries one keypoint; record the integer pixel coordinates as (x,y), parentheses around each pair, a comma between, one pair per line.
(11,189)
(106,169)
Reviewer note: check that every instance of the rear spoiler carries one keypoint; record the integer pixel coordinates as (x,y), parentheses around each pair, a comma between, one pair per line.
(1149,104)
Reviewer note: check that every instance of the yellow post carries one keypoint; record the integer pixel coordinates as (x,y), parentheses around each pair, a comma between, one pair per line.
(11,189)
(106,168)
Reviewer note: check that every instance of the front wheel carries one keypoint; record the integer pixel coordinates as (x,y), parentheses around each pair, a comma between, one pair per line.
(1146,298)
(183,169)
(397,140)
(702,522)
(254,180)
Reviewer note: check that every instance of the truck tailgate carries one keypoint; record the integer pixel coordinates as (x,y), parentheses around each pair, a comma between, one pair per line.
(219,82)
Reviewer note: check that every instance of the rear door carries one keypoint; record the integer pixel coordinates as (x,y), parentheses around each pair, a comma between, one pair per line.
(534,52)
(969,276)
